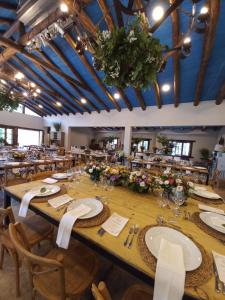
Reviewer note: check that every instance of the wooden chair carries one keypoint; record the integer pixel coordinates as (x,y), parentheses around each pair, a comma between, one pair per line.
(135,292)
(37,230)
(41,175)
(61,274)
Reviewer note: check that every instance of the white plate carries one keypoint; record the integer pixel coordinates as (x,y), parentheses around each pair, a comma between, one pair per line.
(95,205)
(206,217)
(13,163)
(192,255)
(200,168)
(50,190)
(60,176)
(200,188)
(206,194)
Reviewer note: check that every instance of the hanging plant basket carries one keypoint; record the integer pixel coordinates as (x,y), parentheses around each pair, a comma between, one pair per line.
(128,56)
(8,102)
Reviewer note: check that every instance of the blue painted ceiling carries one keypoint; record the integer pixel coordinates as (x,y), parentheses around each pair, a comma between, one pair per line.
(189,67)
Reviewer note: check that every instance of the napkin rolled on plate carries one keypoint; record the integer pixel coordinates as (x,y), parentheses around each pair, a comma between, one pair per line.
(67,222)
(170,272)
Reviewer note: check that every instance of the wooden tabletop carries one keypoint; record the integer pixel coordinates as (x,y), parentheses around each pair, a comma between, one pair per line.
(141,210)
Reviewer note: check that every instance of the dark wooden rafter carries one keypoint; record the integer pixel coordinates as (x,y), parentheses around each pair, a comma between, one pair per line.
(20,49)
(110,24)
(176,56)
(15,68)
(8,6)
(157,94)
(84,60)
(6,21)
(89,102)
(140,98)
(221,95)
(214,9)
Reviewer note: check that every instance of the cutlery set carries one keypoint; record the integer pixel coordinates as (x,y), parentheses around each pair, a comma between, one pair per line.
(134,229)
(219,285)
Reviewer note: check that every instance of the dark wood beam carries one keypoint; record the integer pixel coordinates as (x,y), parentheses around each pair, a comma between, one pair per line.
(61,56)
(6,21)
(140,98)
(214,10)
(8,6)
(86,63)
(176,56)
(221,95)
(157,94)
(125,99)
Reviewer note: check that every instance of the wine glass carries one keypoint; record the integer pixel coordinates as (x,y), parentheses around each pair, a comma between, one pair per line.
(178,198)
(162,199)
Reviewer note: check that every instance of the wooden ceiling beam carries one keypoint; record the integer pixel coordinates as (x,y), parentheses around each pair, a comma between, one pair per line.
(6,21)
(214,10)
(61,56)
(8,6)
(157,94)
(140,98)
(176,56)
(37,78)
(72,43)
(221,95)
(15,26)
(18,48)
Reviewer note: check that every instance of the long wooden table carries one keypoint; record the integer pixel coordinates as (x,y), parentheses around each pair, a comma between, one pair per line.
(141,210)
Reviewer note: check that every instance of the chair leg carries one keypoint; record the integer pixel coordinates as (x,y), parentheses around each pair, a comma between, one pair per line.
(2,256)
(33,294)
(17,272)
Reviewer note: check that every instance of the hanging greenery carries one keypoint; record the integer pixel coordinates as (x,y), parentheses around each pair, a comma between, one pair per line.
(128,56)
(8,102)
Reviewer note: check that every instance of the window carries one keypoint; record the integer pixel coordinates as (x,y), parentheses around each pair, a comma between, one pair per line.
(29,137)
(145,144)
(19,109)
(182,148)
(7,135)
(30,112)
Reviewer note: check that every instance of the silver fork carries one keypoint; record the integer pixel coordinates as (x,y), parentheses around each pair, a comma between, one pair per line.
(136,229)
(128,236)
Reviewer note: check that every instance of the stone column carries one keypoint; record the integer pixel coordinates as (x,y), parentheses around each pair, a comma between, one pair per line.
(127,140)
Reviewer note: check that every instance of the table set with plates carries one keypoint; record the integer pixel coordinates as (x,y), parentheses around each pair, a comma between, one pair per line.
(133,231)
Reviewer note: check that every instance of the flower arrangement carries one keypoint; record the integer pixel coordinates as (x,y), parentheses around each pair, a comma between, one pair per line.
(128,56)
(117,175)
(95,170)
(139,182)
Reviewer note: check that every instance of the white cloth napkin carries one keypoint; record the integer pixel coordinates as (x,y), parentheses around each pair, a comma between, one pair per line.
(170,272)
(67,222)
(220,265)
(115,224)
(60,200)
(49,180)
(211,209)
(25,203)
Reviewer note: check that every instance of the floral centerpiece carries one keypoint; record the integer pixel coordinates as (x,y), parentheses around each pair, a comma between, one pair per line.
(129,56)
(117,175)
(95,170)
(139,181)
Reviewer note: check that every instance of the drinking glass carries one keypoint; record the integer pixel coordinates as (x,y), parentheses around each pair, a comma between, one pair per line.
(178,198)
(163,199)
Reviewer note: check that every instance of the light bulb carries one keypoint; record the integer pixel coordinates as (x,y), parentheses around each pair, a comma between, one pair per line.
(165,88)
(116,96)
(58,103)
(38,91)
(204,10)
(64,8)
(157,13)
(3,81)
(35,94)
(19,76)
(32,84)
(40,106)
(25,94)
(187,40)
(83,100)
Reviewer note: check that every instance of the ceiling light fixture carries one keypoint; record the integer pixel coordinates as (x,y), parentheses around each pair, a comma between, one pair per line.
(11,92)
(116,96)
(157,13)
(32,84)
(19,76)
(165,88)
(40,106)
(58,103)
(204,10)
(3,81)
(25,94)
(64,8)
(35,94)
(38,91)
(84,101)
(187,40)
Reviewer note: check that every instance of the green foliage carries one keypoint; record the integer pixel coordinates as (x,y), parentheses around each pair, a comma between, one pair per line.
(205,153)
(163,140)
(57,126)
(8,102)
(129,57)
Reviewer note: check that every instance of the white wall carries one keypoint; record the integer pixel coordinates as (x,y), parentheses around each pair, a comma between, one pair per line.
(207,113)
(21,120)
(80,136)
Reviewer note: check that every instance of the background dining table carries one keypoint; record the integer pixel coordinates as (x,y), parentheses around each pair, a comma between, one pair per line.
(141,209)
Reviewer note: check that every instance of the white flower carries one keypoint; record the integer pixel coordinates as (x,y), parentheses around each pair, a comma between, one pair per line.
(142,184)
(180,188)
(143,176)
(166,182)
(178,181)
(131,37)
(161,182)
(106,34)
(90,170)
(97,168)
(190,184)
(138,174)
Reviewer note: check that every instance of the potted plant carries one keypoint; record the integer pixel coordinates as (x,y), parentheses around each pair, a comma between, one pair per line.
(57,126)
(205,154)
(167,145)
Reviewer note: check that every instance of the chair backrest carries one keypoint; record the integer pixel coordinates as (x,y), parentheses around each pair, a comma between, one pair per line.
(37,265)
(42,175)
(4,214)
(101,292)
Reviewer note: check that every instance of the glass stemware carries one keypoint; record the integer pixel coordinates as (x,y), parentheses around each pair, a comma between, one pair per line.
(178,198)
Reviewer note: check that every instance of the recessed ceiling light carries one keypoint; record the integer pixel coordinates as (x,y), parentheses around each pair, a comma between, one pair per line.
(204,10)
(83,100)
(35,94)
(11,92)
(40,106)
(25,94)
(32,84)
(116,96)
(78,38)
(157,13)
(165,88)
(38,91)
(187,40)
(19,76)
(64,8)
(3,81)
(58,103)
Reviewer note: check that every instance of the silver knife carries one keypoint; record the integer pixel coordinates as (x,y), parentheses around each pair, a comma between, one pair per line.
(217,280)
